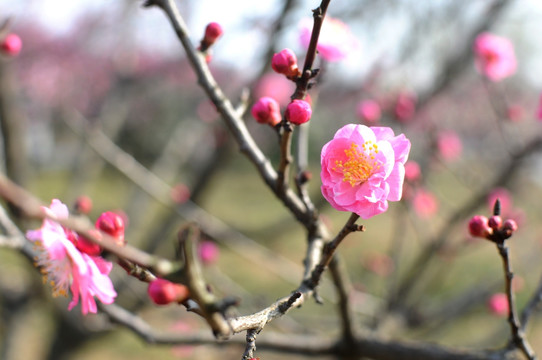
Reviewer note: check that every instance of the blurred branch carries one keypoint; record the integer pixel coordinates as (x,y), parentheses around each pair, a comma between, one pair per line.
(12,126)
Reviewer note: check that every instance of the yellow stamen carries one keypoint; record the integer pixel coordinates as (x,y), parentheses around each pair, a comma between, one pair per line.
(360,164)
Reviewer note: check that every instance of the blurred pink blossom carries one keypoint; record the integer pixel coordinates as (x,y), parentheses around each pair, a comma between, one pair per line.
(275,86)
(369,111)
(335,40)
(405,107)
(208,252)
(66,268)
(11,45)
(495,57)
(425,203)
(380,264)
(504,197)
(363,168)
(539,112)
(515,113)
(412,171)
(498,304)
(180,193)
(449,145)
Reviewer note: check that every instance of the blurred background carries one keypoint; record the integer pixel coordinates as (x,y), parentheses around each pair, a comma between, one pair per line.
(100,86)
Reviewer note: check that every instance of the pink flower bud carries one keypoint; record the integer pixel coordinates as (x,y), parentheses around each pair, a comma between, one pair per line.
(266,111)
(163,292)
(180,193)
(112,224)
(212,32)
(510,225)
(495,222)
(479,227)
(11,45)
(298,112)
(208,252)
(498,304)
(369,111)
(285,62)
(83,204)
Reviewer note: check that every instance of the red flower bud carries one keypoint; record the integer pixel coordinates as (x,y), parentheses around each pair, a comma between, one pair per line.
(83,204)
(495,222)
(212,32)
(510,225)
(163,292)
(285,62)
(478,226)
(267,111)
(112,224)
(11,45)
(298,112)
(88,247)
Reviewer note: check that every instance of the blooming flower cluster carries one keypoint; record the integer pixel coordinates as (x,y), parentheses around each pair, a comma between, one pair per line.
(495,57)
(68,266)
(363,168)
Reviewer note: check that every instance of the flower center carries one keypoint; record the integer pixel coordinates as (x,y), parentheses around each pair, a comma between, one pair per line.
(360,164)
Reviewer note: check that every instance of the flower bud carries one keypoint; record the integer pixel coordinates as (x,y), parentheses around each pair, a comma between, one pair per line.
(112,224)
(212,32)
(478,226)
(163,292)
(510,226)
(298,112)
(285,62)
(83,204)
(11,45)
(88,247)
(495,222)
(266,111)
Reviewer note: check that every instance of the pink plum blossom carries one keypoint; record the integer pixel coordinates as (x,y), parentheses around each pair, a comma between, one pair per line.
(449,145)
(275,86)
(335,40)
(363,168)
(495,57)
(67,268)
(369,111)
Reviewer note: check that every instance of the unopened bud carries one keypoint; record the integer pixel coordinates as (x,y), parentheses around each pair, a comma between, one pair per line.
(267,111)
(495,222)
(163,292)
(112,224)
(285,62)
(509,227)
(212,32)
(479,227)
(83,204)
(298,112)
(11,45)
